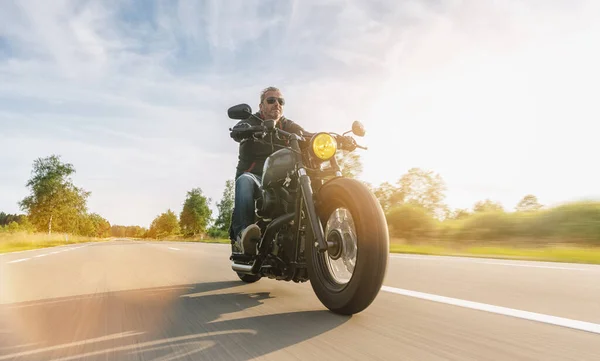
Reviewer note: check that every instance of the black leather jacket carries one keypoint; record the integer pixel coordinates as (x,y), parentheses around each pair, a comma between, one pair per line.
(252,154)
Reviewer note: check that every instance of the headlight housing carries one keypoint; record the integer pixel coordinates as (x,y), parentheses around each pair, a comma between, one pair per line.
(324,146)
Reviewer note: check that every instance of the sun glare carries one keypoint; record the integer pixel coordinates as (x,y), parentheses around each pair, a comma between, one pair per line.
(482,115)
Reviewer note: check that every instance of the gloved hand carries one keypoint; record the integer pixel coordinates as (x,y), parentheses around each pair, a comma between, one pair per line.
(238,133)
(346,142)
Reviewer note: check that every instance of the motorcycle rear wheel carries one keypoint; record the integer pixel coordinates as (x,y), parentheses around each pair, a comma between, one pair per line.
(248,278)
(352,218)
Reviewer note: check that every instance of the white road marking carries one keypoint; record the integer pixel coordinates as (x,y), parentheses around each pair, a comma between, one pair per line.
(148,345)
(532,316)
(534,266)
(73,344)
(43,254)
(174,249)
(18,346)
(38,249)
(498,263)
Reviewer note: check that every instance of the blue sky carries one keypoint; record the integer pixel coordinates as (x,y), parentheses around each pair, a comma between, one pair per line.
(500,98)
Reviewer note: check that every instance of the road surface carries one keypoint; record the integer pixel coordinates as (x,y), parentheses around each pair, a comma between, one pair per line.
(127,300)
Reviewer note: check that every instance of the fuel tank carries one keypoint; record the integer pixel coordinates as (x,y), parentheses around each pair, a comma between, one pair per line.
(276,168)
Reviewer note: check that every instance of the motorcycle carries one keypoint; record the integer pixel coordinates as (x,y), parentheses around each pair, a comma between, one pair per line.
(316,225)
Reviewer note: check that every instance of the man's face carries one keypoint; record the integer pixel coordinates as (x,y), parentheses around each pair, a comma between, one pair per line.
(271,107)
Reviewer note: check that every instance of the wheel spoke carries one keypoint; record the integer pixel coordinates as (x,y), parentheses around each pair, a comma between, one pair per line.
(341,267)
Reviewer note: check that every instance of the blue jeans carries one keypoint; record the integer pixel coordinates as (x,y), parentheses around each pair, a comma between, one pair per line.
(247,190)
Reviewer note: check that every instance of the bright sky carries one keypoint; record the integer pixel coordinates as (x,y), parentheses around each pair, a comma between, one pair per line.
(499,97)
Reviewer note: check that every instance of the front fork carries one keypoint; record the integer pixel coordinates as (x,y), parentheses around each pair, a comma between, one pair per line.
(315,224)
(307,197)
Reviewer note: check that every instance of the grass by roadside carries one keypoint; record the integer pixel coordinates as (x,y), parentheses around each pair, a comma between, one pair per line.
(23,241)
(559,253)
(550,253)
(195,239)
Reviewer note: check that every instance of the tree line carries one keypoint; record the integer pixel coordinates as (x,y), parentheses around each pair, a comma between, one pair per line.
(195,220)
(416,212)
(414,206)
(55,204)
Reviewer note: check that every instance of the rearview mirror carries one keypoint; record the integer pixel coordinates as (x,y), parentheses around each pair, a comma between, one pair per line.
(240,111)
(358,128)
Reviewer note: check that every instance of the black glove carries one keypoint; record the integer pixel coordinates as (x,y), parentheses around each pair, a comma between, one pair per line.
(239,132)
(346,142)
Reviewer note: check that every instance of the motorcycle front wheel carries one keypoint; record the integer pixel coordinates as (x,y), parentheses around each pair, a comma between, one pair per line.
(348,276)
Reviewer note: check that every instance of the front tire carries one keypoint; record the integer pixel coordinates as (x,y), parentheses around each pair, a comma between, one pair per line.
(353,219)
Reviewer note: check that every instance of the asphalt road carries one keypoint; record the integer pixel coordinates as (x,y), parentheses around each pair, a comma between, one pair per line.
(157,301)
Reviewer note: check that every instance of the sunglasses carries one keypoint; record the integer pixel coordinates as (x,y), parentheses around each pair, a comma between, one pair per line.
(272,100)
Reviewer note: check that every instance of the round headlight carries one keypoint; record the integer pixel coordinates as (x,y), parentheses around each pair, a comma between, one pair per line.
(324,146)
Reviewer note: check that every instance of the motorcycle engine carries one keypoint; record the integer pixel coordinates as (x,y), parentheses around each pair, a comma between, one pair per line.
(283,244)
(274,203)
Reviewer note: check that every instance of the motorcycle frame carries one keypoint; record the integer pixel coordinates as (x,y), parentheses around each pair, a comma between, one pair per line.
(309,182)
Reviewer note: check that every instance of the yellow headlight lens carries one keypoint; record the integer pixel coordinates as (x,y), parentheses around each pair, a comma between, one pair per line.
(324,146)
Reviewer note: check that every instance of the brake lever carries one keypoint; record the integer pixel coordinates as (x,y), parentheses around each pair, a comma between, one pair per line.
(356,145)
(260,135)
(278,135)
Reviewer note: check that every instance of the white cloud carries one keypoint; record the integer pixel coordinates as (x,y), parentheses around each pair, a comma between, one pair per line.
(496,96)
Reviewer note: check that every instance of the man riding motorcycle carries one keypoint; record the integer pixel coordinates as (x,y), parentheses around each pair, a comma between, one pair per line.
(243,232)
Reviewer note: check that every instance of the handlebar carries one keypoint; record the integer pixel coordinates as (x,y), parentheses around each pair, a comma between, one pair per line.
(345,142)
(348,143)
(246,132)
(251,131)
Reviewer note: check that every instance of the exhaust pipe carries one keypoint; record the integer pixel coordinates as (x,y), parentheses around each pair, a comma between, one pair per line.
(242,268)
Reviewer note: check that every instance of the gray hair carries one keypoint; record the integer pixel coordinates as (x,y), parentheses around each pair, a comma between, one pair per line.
(266,90)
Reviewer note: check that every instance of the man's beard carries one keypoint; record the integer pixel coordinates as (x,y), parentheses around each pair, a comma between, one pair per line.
(274,115)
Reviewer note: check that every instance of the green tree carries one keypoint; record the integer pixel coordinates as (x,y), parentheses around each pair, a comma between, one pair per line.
(166,224)
(87,228)
(225,207)
(385,193)
(410,221)
(195,214)
(127,231)
(54,201)
(100,226)
(350,163)
(529,203)
(423,188)
(6,219)
(487,206)
(103,227)
(13,227)
(459,214)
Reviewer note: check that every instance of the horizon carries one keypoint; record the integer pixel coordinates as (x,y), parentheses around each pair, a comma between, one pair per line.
(496,98)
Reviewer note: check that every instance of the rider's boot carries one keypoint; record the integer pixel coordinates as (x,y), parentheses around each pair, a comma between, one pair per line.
(246,240)
(249,238)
